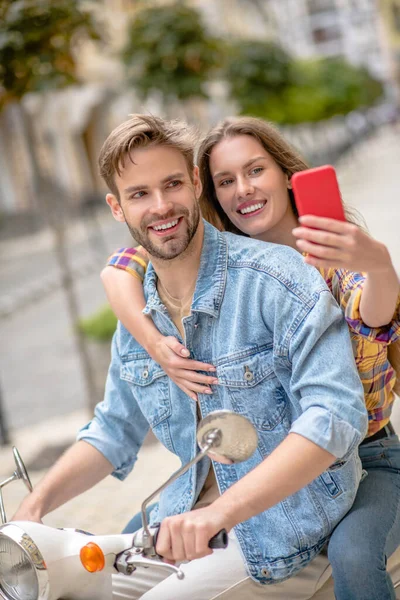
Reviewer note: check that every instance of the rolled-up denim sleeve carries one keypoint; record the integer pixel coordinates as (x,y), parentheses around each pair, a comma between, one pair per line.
(325,380)
(118,427)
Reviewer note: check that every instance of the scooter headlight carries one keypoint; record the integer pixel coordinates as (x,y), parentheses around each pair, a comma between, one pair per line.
(18,579)
(22,569)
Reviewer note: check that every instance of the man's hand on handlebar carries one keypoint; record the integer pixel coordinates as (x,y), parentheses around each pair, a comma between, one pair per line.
(186,536)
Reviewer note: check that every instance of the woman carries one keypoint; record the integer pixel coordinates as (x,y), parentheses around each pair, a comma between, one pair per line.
(246,167)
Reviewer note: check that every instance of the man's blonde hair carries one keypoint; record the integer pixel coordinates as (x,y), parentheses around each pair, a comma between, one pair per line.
(140,131)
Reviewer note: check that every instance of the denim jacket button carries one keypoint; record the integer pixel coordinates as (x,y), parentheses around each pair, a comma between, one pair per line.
(248,375)
(264,572)
(145,374)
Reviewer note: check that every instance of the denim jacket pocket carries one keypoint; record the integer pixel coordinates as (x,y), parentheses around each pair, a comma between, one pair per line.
(151,387)
(253,387)
(330,483)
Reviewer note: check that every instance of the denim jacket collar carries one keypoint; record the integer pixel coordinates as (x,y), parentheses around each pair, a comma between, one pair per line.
(211,278)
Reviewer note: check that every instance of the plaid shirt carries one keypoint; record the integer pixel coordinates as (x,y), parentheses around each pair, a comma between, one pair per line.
(130,259)
(369,344)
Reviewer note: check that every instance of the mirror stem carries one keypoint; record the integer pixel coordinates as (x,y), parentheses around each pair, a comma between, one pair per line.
(9,480)
(2,510)
(212,436)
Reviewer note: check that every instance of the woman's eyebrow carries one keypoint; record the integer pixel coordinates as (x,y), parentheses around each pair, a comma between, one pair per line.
(245,166)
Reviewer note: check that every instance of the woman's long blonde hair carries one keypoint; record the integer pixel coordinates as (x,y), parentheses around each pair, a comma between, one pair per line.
(268,136)
(289,160)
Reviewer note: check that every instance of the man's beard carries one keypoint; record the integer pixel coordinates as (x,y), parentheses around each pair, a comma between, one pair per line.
(169,248)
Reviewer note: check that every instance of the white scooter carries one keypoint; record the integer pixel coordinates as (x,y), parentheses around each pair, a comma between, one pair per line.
(43,563)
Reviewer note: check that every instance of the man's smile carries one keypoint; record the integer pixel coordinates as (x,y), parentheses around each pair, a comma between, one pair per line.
(166,227)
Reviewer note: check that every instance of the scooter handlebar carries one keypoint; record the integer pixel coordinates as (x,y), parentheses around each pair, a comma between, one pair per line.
(218,541)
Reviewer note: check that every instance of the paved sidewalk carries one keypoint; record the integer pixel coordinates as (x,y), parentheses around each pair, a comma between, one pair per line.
(368,178)
(107,507)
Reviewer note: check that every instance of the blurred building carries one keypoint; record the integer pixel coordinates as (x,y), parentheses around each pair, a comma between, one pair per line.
(71,124)
(309,28)
(348,28)
(390,19)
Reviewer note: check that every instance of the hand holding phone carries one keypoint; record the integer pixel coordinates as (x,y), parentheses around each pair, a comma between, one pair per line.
(316,192)
(324,235)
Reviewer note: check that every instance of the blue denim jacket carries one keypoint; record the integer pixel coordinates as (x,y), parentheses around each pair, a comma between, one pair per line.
(284,360)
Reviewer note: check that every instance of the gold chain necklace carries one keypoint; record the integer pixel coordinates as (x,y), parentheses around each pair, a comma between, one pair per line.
(178,302)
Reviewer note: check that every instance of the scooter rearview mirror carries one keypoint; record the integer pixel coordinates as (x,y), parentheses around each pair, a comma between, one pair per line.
(222,435)
(234,437)
(19,473)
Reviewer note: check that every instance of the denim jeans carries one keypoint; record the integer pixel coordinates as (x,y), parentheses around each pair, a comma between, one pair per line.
(370,532)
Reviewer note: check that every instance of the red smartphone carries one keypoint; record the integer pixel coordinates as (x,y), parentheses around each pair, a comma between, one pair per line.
(316,192)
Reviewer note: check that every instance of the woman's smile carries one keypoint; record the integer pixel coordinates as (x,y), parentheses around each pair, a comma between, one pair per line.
(251,208)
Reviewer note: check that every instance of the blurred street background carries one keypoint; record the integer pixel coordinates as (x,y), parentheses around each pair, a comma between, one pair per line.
(327,72)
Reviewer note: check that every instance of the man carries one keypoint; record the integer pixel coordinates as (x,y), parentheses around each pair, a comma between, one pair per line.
(283,358)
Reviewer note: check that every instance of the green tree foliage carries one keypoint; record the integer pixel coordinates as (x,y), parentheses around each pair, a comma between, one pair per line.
(100,326)
(36,45)
(258,73)
(319,89)
(267,83)
(169,50)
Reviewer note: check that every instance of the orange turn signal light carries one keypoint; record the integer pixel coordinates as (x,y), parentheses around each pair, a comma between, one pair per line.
(92,558)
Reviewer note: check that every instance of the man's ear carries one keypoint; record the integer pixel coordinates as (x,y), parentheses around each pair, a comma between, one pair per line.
(198,186)
(115,208)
